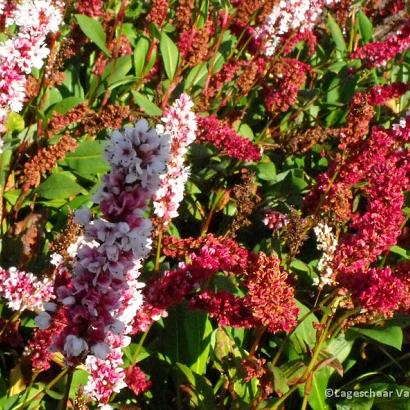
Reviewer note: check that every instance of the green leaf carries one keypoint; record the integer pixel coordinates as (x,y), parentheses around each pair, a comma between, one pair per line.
(187,337)
(243,129)
(340,347)
(195,76)
(12,196)
(355,403)
(60,186)
(65,105)
(397,398)
(398,250)
(337,66)
(279,381)
(380,396)
(199,390)
(117,69)
(198,329)
(140,54)
(71,85)
(266,169)
(218,62)
(79,379)
(336,33)
(115,74)
(52,97)
(341,91)
(87,160)
(304,335)
(390,336)
(317,397)
(298,181)
(154,30)
(365,27)
(337,349)
(53,394)
(8,403)
(148,106)
(170,55)
(297,264)
(14,122)
(94,30)
(203,17)
(151,62)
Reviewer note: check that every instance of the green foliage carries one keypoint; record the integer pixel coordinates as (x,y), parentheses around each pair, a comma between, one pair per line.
(390,336)
(87,160)
(147,106)
(61,185)
(94,30)
(337,35)
(169,54)
(113,68)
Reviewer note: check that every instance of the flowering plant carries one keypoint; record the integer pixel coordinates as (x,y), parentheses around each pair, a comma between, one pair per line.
(205,204)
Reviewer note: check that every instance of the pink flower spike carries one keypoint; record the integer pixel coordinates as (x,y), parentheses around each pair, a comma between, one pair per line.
(180,124)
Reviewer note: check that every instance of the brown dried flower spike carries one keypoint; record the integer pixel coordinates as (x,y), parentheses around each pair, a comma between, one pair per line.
(45,160)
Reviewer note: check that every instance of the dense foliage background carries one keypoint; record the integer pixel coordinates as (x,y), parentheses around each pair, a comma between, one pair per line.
(276,184)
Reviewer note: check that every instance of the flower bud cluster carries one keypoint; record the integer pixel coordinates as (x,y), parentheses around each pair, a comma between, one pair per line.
(35,19)
(326,242)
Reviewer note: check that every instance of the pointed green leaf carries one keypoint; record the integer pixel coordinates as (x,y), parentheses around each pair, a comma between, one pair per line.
(140,54)
(365,27)
(336,34)
(148,106)
(94,30)
(65,105)
(170,55)
(390,336)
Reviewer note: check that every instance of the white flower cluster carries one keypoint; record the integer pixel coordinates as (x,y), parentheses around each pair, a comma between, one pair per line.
(22,290)
(35,19)
(144,163)
(181,125)
(37,16)
(289,16)
(326,242)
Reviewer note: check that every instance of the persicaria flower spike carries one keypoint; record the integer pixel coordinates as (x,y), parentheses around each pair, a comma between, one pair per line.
(35,19)
(287,17)
(270,296)
(106,374)
(274,220)
(326,242)
(379,53)
(23,290)
(104,294)
(212,130)
(180,124)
